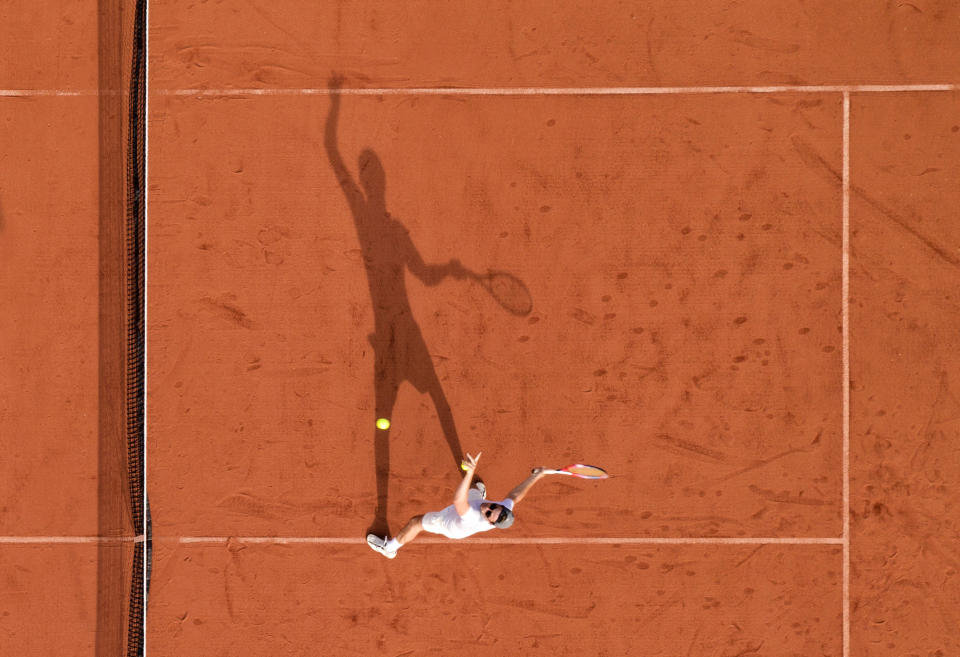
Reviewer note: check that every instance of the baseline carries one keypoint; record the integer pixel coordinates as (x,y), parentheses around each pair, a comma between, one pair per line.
(504,91)
(516,541)
(560,91)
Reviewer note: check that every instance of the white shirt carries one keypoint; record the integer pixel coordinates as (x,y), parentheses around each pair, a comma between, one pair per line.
(452,525)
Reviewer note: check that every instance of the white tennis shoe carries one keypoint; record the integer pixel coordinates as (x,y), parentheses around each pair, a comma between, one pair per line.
(380,545)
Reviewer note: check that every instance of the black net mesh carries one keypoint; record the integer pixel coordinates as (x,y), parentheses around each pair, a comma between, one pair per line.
(136,337)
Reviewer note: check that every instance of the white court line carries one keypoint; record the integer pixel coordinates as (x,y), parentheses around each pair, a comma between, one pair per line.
(40,540)
(31,93)
(846,374)
(563,540)
(558,91)
(509,91)
(146,314)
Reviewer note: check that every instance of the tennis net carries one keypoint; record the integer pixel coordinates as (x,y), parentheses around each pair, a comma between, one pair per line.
(136,335)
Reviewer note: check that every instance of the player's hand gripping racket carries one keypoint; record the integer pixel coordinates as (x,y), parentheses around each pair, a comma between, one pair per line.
(577,470)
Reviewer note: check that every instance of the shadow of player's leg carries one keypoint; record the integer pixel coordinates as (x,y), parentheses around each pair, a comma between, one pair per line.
(445,415)
(386,384)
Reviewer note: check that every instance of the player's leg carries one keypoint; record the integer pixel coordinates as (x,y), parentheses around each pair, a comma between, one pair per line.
(429,522)
(410,531)
(389,547)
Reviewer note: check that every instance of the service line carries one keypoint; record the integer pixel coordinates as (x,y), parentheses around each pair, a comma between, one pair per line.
(44,540)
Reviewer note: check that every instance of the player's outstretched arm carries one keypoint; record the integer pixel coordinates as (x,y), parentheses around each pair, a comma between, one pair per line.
(520,491)
(460,502)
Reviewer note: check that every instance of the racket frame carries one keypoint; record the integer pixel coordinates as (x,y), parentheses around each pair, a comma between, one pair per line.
(566,471)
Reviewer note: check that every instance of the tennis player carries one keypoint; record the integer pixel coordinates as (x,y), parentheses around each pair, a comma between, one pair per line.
(469,514)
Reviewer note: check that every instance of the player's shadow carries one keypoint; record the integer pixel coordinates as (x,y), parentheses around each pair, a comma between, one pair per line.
(400,352)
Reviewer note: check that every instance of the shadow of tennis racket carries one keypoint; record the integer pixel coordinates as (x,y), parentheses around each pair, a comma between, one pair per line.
(505,288)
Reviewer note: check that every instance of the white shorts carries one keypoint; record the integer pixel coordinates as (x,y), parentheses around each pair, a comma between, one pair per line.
(433,522)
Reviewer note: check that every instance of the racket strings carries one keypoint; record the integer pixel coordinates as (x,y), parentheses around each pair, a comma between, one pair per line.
(587,471)
(509,291)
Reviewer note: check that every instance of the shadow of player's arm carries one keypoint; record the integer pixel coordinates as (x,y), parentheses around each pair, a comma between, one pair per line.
(350,188)
(429,274)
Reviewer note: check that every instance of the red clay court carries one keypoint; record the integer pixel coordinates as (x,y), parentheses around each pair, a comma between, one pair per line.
(737,225)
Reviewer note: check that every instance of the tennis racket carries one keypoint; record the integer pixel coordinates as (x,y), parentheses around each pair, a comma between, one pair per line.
(576,470)
(505,288)
(582,471)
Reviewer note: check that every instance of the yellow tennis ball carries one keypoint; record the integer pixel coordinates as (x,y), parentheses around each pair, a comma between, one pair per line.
(463,465)
(383,423)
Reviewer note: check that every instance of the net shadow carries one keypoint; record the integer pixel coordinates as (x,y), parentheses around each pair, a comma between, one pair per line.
(121,575)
